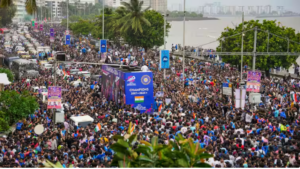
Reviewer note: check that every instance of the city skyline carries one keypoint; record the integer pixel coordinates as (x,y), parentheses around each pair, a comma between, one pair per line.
(289,5)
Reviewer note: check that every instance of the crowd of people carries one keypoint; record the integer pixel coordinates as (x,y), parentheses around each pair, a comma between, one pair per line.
(262,135)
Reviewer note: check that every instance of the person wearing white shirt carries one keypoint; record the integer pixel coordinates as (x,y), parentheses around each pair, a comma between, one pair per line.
(145,68)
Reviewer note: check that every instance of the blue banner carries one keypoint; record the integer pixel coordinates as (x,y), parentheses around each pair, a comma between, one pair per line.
(139,91)
(164,59)
(103,46)
(51,32)
(68,39)
(225,85)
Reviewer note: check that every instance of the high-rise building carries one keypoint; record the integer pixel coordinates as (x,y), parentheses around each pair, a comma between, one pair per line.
(159,5)
(40,3)
(57,8)
(20,12)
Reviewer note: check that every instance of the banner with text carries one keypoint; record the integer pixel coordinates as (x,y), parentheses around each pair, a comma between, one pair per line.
(253,81)
(36,27)
(68,41)
(54,97)
(41,27)
(103,45)
(51,35)
(164,59)
(227,89)
(139,91)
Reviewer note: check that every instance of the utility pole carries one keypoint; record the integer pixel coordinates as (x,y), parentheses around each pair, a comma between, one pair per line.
(288,45)
(165,37)
(41,13)
(103,19)
(254,49)
(51,12)
(67,15)
(268,41)
(183,41)
(242,50)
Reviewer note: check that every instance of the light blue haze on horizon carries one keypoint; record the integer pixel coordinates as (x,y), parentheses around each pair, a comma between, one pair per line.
(291,5)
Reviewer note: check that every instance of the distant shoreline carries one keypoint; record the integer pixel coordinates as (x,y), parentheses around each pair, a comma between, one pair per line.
(279,16)
(190,18)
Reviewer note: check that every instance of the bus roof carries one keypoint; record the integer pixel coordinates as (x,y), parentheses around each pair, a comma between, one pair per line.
(85,118)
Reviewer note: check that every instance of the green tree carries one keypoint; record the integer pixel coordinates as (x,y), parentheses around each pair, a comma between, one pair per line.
(179,153)
(30,5)
(125,156)
(17,106)
(115,33)
(187,154)
(9,74)
(183,153)
(83,27)
(3,123)
(134,18)
(152,35)
(6,15)
(49,164)
(175,14)
(108,21)
(276,44)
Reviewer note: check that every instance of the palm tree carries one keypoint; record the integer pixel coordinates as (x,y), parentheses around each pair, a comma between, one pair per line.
(134,17)
(30,5)
(6,3)
(116,25)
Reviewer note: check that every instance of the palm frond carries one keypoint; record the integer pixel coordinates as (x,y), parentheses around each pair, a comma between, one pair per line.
(145,21)
(5,3)
(30,6)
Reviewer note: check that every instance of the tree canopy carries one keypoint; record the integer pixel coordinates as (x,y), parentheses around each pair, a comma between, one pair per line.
(30,6)
(128,22)
(152,35)
(82,27)
(17,105)
(134,17)
(6,15)
(276,44)
(181,14)
(178,153)
(9,74)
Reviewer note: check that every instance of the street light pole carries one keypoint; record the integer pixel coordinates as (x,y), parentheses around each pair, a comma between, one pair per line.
(242,55)
(67,14)
(268,41)
(165,37)
(51,13)
(183,41)
(41,13)
(103,19)
(254,50)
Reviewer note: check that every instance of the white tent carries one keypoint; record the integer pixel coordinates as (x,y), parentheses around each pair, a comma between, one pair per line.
(3,79)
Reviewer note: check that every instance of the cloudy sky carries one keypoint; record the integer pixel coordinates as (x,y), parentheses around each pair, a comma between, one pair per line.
(292,5)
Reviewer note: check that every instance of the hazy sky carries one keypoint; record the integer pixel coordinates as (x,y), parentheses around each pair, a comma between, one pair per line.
(292,5)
